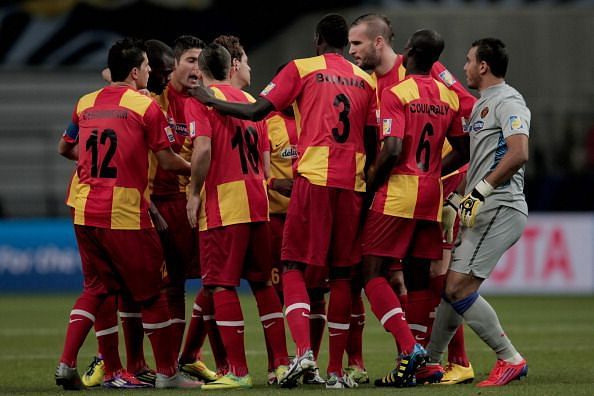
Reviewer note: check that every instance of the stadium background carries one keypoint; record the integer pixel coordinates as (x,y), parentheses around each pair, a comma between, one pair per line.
(51,52)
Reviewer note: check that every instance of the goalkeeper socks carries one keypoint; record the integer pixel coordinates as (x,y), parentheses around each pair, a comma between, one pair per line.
(131,320)
(106,330)
(447,321)
(196,331)
(82,318)
(386,307)
(354,347)
(481,318)
(229,319)
(297,309)
(339,319)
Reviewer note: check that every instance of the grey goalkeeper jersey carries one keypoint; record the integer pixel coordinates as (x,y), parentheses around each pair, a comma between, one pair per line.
(499,113)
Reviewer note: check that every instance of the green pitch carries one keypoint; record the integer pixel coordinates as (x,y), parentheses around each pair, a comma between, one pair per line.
(555,334)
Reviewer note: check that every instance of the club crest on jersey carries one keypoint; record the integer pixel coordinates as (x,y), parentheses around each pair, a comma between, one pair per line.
(387,126)
(169,134)
(289,152)
(515,123)
(447,78)
(484,112)
(268,88)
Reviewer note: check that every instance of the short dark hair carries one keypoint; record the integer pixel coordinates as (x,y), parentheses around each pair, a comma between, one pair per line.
(425,46)
(333,29)
(215,61)
(493,52)
(232,44)
(186,42)
(123,56)
(377,25)
(160,57)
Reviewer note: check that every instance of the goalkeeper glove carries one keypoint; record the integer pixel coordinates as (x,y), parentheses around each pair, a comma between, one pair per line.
(471,204)
(448,215)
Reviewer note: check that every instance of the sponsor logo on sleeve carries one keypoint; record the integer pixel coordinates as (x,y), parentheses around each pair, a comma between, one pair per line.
(387,126)
(515,123)
(268,88)
(169,134)
(484,112)
(447,78)
(478,125)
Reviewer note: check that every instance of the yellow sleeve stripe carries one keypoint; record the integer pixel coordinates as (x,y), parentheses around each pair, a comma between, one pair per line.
(87,101)
(406,91)
(218,93)
(249,97)
(308,65)
(363,74)
(135,101)
(448,96)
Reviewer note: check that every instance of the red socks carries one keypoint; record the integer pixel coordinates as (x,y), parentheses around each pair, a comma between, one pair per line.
(177,310)
(317,322)
(419,314)
(457,350)
(339,319)
(131,320)
(196,330)
(82,318)
(387,309)
(155,320)
(297,309)
(106,330)
(271,316)
(231,327)
(354,347)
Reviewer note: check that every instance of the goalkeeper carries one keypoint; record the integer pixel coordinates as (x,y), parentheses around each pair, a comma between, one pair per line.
(493,213)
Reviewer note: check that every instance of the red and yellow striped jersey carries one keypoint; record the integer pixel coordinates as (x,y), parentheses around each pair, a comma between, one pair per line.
(235,188)
(422,112)
(334,100)
(282,133)
(438,72)
(173,104)
(118,127)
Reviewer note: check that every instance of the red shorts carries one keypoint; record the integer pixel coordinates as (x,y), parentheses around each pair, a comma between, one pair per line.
(315,277)
(450,184)
(180,243)
(121,260)
(322,225)
(236,251)
(397,237)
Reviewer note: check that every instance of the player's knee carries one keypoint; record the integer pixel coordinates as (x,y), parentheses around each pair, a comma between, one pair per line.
(340,273)
(293,265)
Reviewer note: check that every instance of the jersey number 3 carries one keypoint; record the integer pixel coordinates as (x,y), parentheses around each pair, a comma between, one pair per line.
(343,117)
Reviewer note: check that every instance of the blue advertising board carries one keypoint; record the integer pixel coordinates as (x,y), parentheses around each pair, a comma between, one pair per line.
(39,256)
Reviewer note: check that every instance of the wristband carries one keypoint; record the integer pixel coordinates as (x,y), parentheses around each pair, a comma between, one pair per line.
(454,200)
(483,188)
(270,182)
